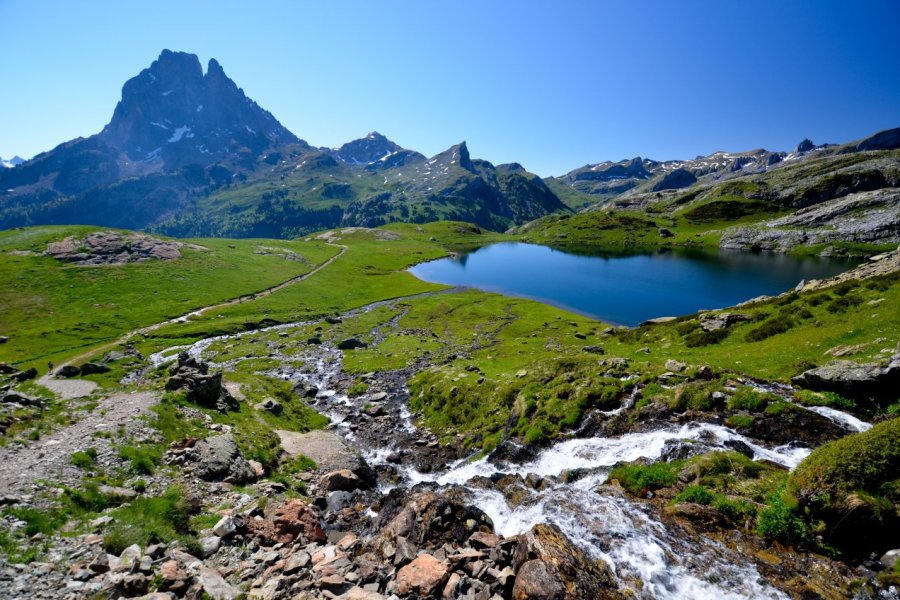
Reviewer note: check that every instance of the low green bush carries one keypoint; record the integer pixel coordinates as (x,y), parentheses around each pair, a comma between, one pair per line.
(774,326)
(782,520)
(638,479)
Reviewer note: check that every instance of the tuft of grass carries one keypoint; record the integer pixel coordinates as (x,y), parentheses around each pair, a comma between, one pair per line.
(698,494)
(746,398)
(84,459)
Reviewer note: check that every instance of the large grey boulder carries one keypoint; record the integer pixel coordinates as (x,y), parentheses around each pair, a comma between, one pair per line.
(220,459)
(859,381)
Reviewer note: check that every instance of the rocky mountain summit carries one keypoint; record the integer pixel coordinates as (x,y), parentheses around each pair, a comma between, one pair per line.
(174,113)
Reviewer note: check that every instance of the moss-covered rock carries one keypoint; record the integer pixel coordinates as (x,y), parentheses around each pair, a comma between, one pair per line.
(851,487)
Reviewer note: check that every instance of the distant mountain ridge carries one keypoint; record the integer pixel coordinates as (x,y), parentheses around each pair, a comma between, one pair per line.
(187,153)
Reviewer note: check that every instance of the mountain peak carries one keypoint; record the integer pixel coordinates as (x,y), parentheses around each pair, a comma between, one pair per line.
(172,111)
(367,150)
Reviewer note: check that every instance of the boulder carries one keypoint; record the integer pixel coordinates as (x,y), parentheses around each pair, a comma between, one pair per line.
(566,568)
(341,480)
(537,580)
(305,390)
(859,381)
(271,405)
(422,576)
(215,586)
(431,519)
(220,459)
(286,522)
(717,321)
(91,368)
(3,339)
(22,399)
(351,344)
(6,369)
(226,526)
(68,371)
(25,375)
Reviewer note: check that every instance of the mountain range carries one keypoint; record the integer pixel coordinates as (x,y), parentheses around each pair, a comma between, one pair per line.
(187,153)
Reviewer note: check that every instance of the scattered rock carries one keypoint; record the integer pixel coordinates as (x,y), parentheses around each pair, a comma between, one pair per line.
(580,576)
(717,321)
(286,522)
(68,371)
(422,576)
(855,380)
(202,387)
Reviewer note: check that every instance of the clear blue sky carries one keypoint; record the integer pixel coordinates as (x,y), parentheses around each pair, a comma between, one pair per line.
(553,85)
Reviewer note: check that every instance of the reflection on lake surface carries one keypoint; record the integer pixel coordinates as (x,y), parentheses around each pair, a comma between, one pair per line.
(627,289)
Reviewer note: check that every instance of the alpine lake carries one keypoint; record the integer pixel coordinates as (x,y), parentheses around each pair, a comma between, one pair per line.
(626,289)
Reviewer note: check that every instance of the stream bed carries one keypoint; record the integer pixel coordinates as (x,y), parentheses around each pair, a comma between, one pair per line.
(649,557)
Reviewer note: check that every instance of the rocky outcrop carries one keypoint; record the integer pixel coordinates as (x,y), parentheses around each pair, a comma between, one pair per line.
(431,518)
(865,217)
(862,382)
(113,248)
(203,388)
(717,321)
(549,566)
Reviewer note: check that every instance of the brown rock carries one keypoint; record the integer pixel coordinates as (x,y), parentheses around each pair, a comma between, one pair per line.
(285,523)
(538,580)
(482,539)
(343,480)
(172,577)
(421,576)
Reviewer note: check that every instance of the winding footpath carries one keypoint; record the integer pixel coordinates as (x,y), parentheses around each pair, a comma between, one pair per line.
(183,318)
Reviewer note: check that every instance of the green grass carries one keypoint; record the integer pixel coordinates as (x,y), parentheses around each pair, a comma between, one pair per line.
(52,311)
(152,520)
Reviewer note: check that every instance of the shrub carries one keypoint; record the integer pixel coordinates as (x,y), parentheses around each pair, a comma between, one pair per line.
(781,520)
(774,326)
(358,389)
(701,338)
(844,303)
(697,494)
(143,458)
(732,508)
(739,421)
(638,479)
(832,399)
(863,461)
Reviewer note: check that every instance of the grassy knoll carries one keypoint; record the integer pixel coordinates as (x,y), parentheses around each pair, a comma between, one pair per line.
(52,310)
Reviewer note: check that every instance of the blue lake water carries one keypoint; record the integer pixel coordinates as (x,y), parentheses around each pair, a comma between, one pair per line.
(626,290)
